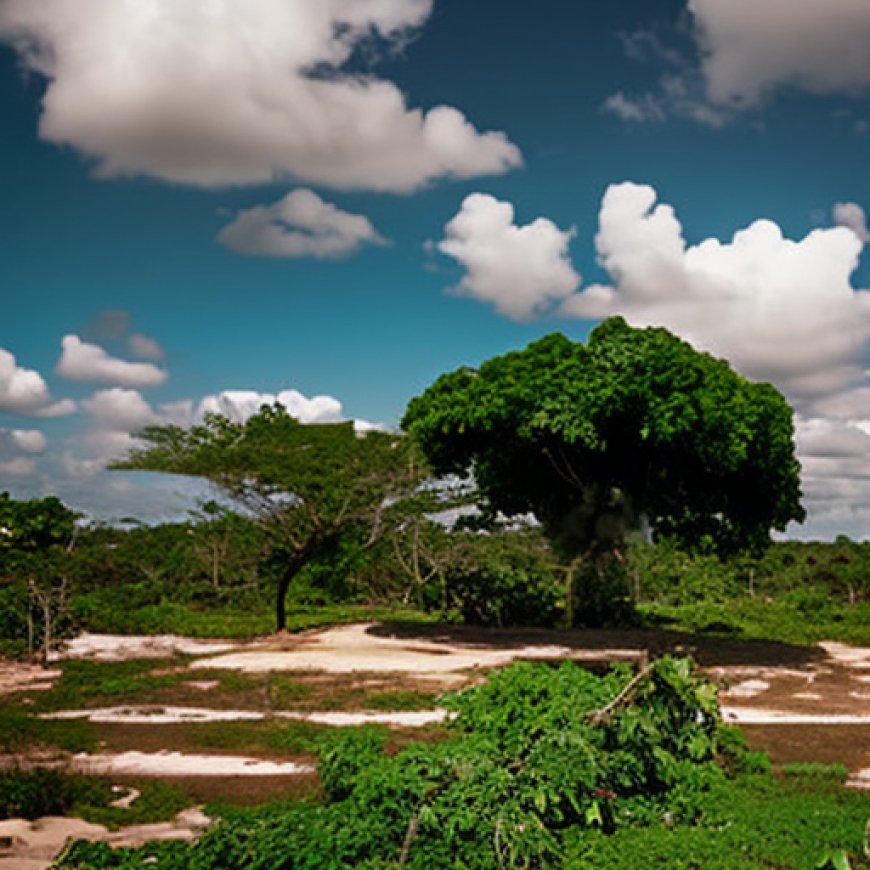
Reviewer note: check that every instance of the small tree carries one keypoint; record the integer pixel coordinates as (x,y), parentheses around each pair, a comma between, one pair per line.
(309,486)
(634,424)
(36,538)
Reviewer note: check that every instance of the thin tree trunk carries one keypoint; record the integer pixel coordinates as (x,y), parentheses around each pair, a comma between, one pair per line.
(294,566)
(570,582)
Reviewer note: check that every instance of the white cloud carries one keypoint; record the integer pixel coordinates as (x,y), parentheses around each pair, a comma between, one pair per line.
(299,225)
(82,361)
(24,391)
(20,466)
(239,405)
(115,414)
(28,440)
(638,109)
(119,409)
(750,48)
(213,94)
(145,347)
(778,309)
(17,451)
(851,215)
(521,270)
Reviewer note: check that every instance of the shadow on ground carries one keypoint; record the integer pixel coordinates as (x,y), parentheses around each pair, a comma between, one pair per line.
(708,650)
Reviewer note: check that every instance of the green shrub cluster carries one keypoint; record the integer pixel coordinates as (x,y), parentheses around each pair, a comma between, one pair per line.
(539,757)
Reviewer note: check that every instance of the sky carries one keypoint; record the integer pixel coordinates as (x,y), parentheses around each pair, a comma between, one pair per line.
(209,205)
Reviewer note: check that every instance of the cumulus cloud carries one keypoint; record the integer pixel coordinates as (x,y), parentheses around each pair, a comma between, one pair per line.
(521,270)
(25,393)
(18,448)
(239,405)
(851,215)
(738,54)
(299,225)
(213,94)
(751,48)
(780,310)
(82,361)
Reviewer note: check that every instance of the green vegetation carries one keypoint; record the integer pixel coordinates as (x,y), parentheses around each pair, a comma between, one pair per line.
(545,767)
(32,794)
(634,425)
(20,732)
(318,491)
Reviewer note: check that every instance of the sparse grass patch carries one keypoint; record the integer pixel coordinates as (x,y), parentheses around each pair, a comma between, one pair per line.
(284,691)
(401,699)
(20,732)
(31,794)
(795,618)
(265,737)
(90,683)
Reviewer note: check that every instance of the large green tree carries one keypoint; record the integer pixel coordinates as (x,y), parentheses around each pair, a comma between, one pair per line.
(310,486)
(633,427)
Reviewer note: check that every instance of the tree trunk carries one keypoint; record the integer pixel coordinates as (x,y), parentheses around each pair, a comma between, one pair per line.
(570,581)
(293,567)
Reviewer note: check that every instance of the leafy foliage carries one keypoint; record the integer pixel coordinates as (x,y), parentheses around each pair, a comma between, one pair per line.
(539,756)
(635,423)
(312,487)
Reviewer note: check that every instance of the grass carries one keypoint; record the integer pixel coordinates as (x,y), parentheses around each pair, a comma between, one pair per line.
(266,737)
(793,823)
(100,612)
(94,684)
(20,732)
(788,620)
(31,794)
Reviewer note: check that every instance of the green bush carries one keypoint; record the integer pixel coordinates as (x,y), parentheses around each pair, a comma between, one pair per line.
(536,752)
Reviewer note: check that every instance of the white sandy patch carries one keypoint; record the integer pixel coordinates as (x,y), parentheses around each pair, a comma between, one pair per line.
(18,676)
(407,719)
(754,672)
(145,715)
(853,656)
(182,764)
(750,716)
(808,696)
(155,715)
(116,647)
(747,689)
(35,844)
(128,795)
(353,648)
(202,685)
(859,779)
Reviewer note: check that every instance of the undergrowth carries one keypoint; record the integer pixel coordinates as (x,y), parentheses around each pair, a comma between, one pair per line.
(544,767)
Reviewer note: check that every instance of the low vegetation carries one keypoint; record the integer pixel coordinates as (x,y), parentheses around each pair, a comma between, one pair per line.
(543,766)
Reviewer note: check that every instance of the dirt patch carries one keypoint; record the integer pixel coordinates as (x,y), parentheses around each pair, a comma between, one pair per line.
(116,648)
(172,764)
(20,676)
(33,845)
(352,648)
(149,715)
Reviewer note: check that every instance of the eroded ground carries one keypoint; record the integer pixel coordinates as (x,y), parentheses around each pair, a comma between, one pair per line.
(241,721)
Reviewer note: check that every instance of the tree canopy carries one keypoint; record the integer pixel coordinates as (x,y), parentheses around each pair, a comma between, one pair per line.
(309,485)
(633,426)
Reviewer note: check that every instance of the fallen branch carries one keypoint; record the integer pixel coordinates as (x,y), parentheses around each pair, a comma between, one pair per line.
(603,714)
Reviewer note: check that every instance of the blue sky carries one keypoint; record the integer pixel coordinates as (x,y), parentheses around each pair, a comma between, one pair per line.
(212,204)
